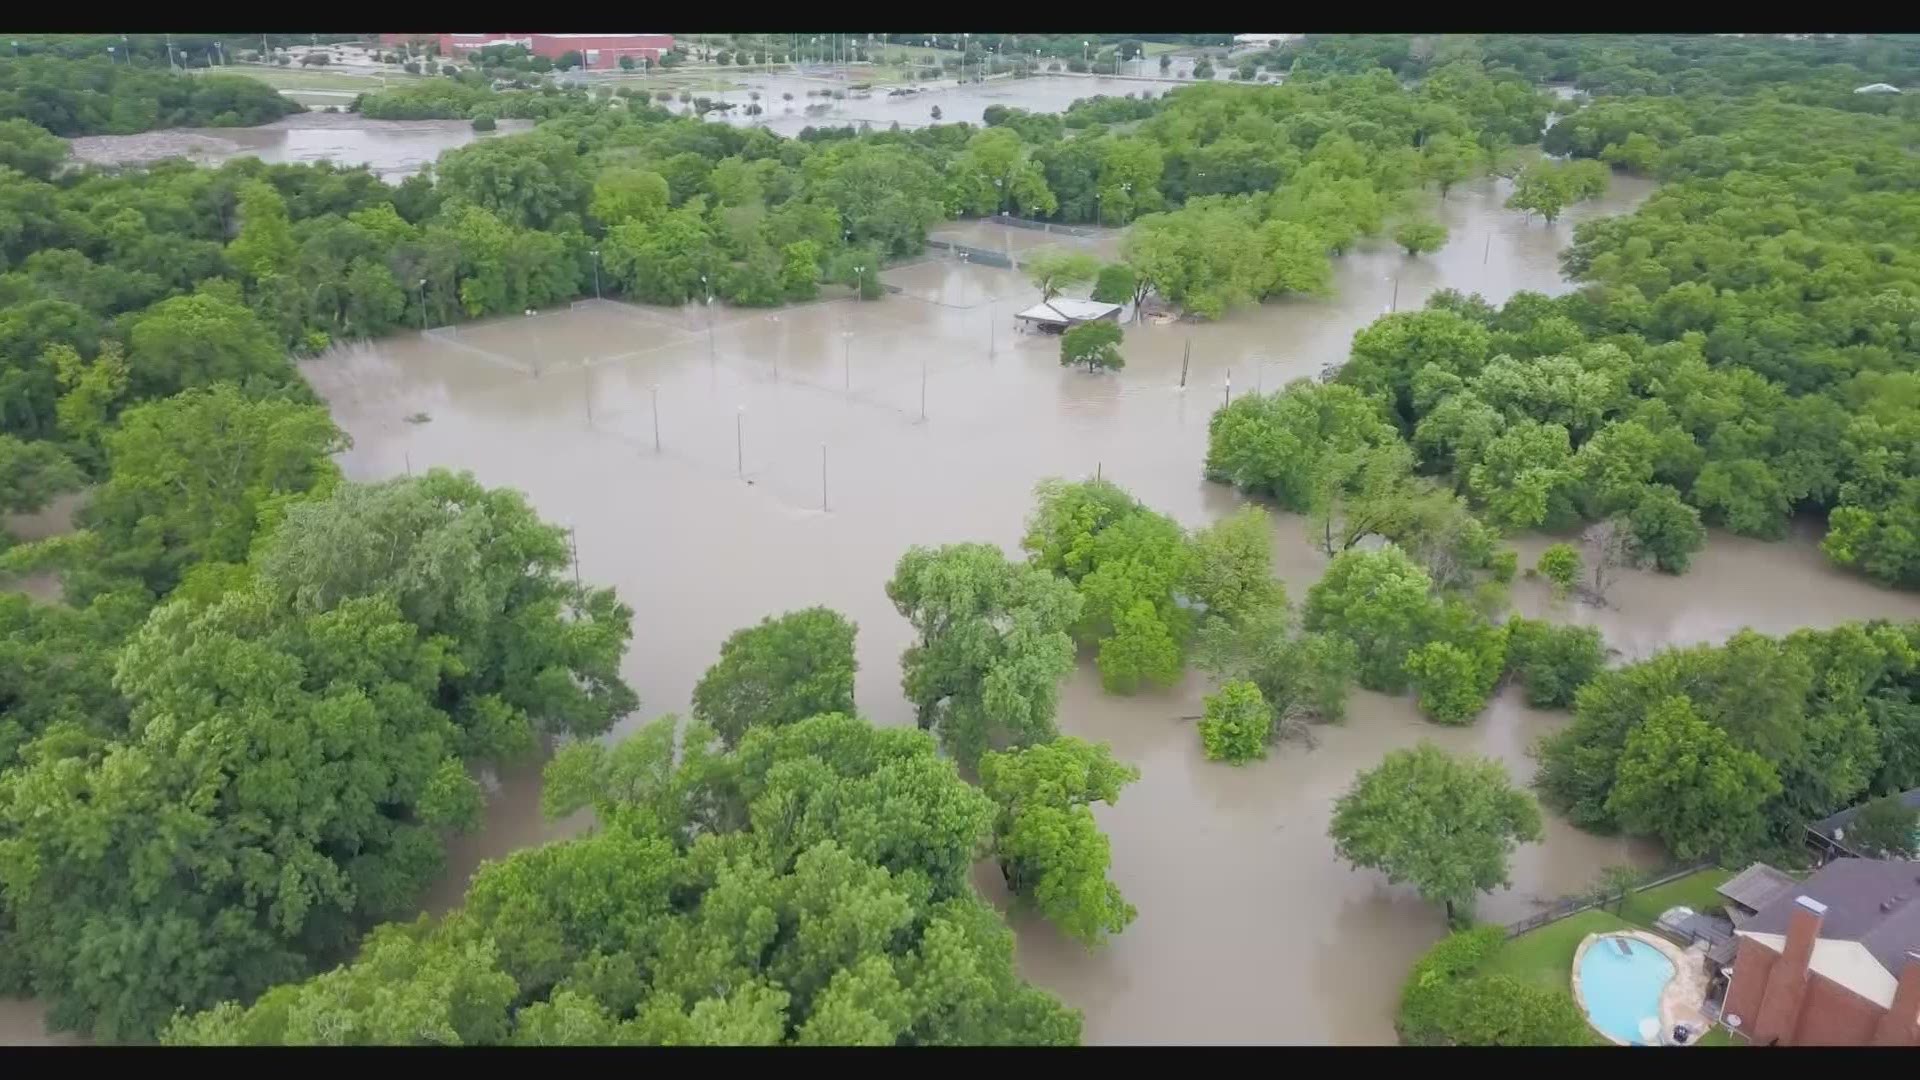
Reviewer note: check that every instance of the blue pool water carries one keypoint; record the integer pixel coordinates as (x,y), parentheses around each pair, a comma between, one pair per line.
(1623,991)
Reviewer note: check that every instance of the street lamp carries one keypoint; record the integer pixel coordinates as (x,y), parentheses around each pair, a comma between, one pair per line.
(860,282)
(423,305)
(596,272)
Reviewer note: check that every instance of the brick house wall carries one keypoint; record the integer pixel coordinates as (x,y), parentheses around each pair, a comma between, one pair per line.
(1777,997)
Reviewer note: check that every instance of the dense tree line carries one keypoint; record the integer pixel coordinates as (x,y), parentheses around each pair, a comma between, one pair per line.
(809,887)
(1729,749)
(100,97)
(243,739)
(1628,64)
(1742,351)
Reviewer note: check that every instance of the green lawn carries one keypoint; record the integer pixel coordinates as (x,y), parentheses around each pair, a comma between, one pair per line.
(1544,957)
(1694,891)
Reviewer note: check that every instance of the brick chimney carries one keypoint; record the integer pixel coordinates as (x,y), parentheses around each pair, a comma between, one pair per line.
(1901,1024)
(1787,981)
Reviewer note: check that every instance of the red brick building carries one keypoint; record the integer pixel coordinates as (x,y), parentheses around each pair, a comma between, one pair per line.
(597,51)
(1834,962)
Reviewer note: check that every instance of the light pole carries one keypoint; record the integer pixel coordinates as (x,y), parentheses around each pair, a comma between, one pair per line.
(596,272)
(846,358)
(655,391)
(1085,48)
(859,283)
(709,288)
(423,305)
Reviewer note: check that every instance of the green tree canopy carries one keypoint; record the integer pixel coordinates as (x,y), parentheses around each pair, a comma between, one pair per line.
(782,671)
(1050,849)
(992,649)
(1445,825)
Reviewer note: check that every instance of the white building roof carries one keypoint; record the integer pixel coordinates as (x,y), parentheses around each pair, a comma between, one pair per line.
(1847,963)
(1067,309)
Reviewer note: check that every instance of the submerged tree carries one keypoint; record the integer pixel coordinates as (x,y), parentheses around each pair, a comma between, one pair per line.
(993,645)
(1051,850)
(1095,344)
(1446,825)
(782,671)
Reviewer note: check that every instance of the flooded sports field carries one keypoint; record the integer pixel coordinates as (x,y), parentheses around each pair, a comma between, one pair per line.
(393,149)
(721,465)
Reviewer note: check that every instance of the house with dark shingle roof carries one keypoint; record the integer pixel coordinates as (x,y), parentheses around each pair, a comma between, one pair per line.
(1828,836)
(1834,961)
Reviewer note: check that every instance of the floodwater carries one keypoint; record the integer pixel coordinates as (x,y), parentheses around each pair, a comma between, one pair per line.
(393,149)
(795,466)
(957,102)
(801,451)
(53,519)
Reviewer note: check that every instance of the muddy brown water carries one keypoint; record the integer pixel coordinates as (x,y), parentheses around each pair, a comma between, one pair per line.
(1249,930)
(958,102)
(393,149)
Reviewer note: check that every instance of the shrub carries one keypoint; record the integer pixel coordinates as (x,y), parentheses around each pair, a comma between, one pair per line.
(1560,565)
(1237,725)
(1446,1003)
(1553,661)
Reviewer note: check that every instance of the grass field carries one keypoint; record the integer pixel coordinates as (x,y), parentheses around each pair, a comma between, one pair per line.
(1695,891)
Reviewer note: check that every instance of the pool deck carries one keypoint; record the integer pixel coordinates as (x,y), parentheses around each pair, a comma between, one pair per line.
(1681,1000)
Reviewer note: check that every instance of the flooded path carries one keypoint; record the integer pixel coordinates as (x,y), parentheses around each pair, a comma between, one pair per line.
(1249,930)
(393,149)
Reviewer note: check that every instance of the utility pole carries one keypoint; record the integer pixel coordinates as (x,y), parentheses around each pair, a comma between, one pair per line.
(575,546)
(596,273)
(170,66)
(408,456)
(1486,252)
(1185,359)
(655,390)
(1229,386)
(1394,304)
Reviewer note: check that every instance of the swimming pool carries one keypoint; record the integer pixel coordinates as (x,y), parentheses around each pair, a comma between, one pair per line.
(1622,992)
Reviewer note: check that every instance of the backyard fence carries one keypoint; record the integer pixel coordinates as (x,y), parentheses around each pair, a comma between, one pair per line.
(1042,226)
(973,254)
(1574,905)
